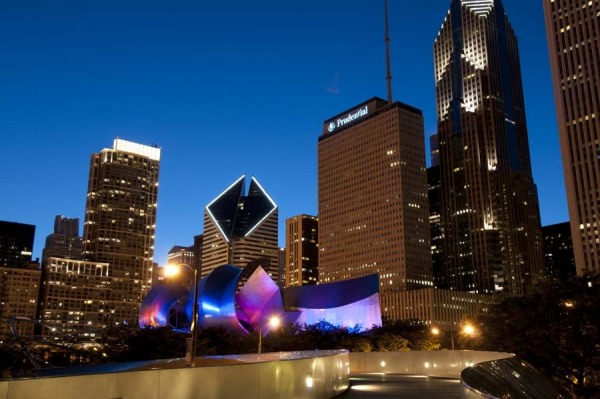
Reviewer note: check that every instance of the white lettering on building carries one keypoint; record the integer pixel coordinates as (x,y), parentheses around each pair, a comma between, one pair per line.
(351,117)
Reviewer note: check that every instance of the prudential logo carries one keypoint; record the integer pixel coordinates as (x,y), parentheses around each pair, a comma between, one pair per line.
(331,127)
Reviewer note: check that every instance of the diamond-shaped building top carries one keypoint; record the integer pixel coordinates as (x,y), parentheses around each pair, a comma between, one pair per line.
(240,227)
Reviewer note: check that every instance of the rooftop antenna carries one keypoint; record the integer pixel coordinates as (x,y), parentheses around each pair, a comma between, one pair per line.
(387,55)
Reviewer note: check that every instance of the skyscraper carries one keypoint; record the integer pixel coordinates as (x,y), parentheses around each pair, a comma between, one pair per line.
(19,277)
(302,251)
(120,221)
(435,228)
(240,228)
(66,226)
(558,251)
(489,207)
(373,210)
(573,39)
(181,255)
(19,288)
(65,241)
(80,297)
(16,244)
(281,267)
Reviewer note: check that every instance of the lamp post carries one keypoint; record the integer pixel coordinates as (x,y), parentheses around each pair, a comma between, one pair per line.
(172,270)
(436,331)
(467,329)
(274,322)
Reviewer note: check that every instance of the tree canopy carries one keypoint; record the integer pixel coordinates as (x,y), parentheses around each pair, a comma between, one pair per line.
(555,329)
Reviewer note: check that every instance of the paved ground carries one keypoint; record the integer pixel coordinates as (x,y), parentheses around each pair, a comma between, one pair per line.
(402,386)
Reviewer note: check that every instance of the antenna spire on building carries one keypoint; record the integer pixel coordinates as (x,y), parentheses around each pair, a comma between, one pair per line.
(387,55)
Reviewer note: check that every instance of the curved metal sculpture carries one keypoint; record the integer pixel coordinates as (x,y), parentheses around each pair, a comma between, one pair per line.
(216,298)
(157,305)
(227,299)
(348,303)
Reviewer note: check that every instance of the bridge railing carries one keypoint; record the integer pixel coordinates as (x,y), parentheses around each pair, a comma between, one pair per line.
(446,364)
(318,374)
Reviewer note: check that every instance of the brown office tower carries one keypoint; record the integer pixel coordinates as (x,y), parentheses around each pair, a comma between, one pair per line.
(120,222)
(489,207)
(573,30)
(241,229)
(302,251)
(373,210)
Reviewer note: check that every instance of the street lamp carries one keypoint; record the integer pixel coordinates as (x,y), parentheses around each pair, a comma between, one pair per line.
(436,331)
(171,270)
(274,322)
(469,330)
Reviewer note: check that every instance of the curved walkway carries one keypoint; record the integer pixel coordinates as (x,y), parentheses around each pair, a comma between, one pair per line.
(363,386)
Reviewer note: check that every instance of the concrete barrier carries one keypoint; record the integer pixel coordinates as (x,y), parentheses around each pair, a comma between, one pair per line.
(446,364)
(319,374)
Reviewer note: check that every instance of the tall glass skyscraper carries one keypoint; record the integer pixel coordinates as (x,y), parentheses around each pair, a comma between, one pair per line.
(106,287)
(120,221)
(573,31)
(489,207)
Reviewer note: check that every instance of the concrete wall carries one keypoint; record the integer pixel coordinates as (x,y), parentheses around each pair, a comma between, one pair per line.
(447,364)
(272,379)
(261,377)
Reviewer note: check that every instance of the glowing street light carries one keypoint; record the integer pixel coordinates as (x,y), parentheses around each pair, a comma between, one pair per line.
(436,331)
(172,270)
(469,330)
(274,322)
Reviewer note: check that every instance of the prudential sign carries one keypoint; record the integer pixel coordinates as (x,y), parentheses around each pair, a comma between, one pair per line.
(352,116)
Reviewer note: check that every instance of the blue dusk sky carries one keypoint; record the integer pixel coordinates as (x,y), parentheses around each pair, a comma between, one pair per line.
(225,88)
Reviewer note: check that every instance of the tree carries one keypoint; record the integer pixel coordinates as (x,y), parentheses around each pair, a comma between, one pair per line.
(415,333)
(556,329)
(12,357)
(125,343)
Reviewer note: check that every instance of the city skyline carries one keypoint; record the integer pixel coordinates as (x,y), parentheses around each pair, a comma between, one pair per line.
(195,80)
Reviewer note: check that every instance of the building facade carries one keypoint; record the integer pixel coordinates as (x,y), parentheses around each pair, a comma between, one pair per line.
(281,259)
(489,207)
(444,309)
(19,288)
(16,244)
(241,228)
(19,278)
(301,250)
(120,221)
(198,240)
(181,255)
(573,33)
(65,241)
(435,226)
(373,208)
(558,251)
(79,297)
